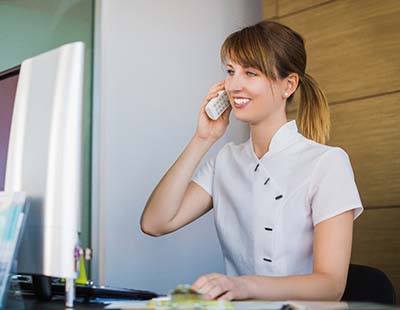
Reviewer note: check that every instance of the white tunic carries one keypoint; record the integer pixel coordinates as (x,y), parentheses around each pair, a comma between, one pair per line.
(266,209)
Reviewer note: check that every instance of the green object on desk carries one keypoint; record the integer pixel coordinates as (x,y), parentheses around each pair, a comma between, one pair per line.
(184,297)
(184,292)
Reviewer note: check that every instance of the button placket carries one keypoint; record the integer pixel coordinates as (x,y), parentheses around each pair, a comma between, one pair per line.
(261,243)
(274,198)
(268,230)
(263,235)
(279,202)
(256,169)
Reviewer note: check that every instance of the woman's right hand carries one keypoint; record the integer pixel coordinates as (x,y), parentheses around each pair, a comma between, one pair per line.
(207,128)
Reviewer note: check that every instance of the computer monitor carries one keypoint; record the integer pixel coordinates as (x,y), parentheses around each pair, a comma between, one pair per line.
(41,142)
(8,88)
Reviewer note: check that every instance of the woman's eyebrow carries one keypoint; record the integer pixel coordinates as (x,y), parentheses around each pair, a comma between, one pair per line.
(246,68)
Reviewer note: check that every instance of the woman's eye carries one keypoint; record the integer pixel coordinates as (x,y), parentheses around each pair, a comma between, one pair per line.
(229,71)
(251,73)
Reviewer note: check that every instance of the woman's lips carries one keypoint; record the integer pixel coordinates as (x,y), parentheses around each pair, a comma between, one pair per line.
(240,103)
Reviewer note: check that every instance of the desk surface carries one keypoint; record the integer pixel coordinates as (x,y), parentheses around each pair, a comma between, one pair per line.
(31,303)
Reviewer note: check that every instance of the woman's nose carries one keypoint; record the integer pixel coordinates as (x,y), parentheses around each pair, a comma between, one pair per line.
(234,84)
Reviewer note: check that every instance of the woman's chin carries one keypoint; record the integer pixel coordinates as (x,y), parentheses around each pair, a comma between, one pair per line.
(242,117)
(251,121)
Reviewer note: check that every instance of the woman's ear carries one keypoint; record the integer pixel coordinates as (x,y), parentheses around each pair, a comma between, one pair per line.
(292,80)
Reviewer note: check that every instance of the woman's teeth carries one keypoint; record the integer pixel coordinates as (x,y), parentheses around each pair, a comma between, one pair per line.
(239,102)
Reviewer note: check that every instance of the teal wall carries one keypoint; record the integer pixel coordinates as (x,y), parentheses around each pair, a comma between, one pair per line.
(31,27)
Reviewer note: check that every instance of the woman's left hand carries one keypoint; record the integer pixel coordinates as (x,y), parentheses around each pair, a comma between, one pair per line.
(221,287)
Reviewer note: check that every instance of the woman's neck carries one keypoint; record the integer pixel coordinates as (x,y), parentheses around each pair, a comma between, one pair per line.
(262,133)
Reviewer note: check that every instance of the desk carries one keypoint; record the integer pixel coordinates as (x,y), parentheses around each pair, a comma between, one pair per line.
(31,303)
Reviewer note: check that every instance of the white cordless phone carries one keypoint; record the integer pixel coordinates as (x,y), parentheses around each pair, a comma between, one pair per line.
(216,106)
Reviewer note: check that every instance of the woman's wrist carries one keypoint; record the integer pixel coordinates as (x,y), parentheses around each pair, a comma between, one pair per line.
(207,142)
(247,287)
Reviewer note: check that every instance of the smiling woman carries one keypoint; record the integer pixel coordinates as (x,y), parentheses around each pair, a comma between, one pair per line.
(283,199)
(272,54)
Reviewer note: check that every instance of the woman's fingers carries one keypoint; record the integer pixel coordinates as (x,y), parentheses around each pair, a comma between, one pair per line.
(215,291)
(213,91)
(227,296)
(217,87)
(199,283)
(225,114)
(208,287)
(219,83)
(204,280)
(218,286)
(212,95)
(209,97)
(211,286)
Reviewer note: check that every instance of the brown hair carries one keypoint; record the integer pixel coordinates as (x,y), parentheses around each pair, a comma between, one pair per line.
(275,48)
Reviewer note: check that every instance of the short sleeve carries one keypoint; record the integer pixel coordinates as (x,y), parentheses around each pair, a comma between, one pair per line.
(204,175)
(333,189)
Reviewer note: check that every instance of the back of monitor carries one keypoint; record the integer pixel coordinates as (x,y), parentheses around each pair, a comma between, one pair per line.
(45,159)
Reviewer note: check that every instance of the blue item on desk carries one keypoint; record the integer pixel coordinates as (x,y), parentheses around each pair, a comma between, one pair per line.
(13,210)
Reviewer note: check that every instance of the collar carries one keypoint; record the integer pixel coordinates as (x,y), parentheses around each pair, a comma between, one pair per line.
(284,137)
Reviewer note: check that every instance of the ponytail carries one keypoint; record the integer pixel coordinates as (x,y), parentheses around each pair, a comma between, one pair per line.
(313,117)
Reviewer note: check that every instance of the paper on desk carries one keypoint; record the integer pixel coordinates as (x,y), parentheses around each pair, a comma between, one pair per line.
(239,305)
(295,304)
(258,305)
(127,305)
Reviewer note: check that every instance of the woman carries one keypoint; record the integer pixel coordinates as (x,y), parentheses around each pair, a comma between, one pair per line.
(284,203)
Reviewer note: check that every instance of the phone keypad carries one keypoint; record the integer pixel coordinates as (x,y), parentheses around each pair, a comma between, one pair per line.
(218,106)
(221,104)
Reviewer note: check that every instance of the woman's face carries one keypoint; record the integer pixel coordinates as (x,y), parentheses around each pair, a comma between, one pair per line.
(253,96)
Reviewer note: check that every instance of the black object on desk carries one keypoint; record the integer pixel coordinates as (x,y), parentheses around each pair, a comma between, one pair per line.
(24,295)
(89,291)
(92,291)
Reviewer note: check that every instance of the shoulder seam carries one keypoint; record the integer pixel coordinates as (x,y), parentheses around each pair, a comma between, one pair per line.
(317,165)
(221,151)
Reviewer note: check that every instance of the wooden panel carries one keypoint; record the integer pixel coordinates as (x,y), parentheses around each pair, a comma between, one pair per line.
(290,6)
(353,46)
(369,131)
(376,242)
(270,8)
(353,49)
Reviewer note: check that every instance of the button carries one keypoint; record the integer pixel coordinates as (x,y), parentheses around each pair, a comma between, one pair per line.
(268,228)
(267,260)
(265,183)
(278,197)
(256,167)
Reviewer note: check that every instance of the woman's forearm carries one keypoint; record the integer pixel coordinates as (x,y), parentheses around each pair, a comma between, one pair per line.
(164,202)
(315,286)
